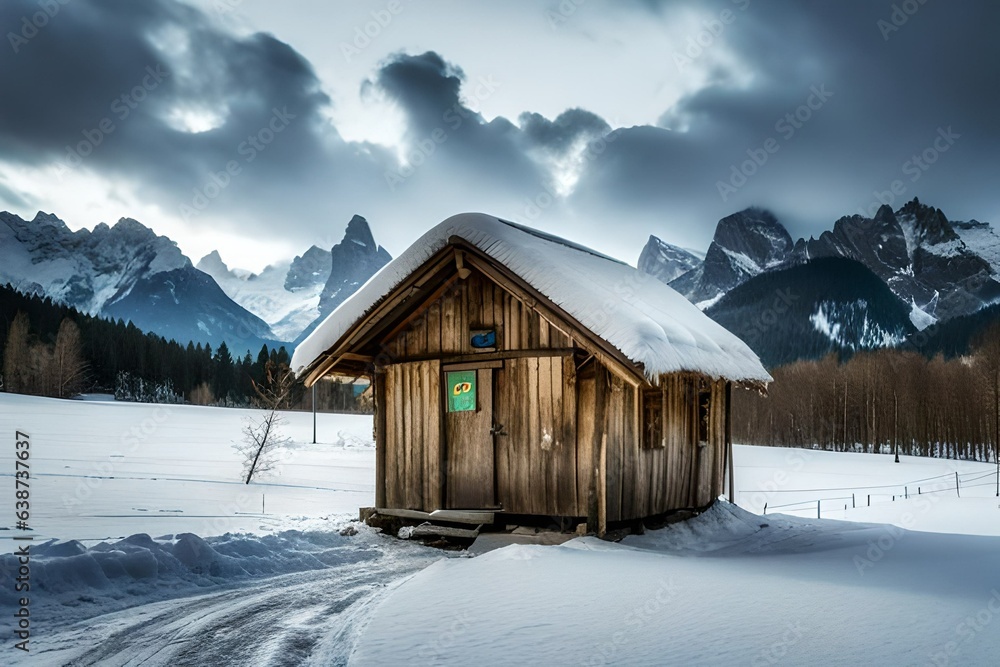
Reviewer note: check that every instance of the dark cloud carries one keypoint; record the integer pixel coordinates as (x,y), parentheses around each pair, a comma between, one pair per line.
(565,131)
(439,104)
(893,87)
(896,78)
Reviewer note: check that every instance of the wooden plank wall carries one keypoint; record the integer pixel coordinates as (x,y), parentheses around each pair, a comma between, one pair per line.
(537,458)
(413,435)
(681,474)
(443,326)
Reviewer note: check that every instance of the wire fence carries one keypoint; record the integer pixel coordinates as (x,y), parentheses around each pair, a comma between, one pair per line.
(945,483)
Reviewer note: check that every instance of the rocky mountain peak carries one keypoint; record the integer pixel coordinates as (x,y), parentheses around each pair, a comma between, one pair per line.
(756,233)
(929,224)
(311,268)
(212,263)
(665,261)
(359,232)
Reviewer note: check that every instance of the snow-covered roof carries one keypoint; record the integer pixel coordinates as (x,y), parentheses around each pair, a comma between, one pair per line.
(647,321)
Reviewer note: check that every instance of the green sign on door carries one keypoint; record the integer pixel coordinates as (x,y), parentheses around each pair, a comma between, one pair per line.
(461,391)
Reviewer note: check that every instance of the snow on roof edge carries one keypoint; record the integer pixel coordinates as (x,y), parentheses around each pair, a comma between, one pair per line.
(647,321)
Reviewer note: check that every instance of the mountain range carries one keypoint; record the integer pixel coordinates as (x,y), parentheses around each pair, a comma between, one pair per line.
(127,272)
(903,277)
(912,261)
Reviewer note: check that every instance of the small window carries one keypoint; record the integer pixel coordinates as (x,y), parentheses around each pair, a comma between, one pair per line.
(652,419)
(461,391)
(704,412)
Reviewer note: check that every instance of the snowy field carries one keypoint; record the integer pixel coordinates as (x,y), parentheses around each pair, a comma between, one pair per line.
(148,549)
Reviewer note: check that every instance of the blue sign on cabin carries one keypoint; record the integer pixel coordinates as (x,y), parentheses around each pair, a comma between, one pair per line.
(485,339)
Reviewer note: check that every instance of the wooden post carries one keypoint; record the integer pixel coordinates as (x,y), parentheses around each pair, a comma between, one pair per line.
(817,509)
(869,500)
(958,489)
(906,492)
(314,411)
(378,382)
(765,508)
(729,442)
(853,505)
(596,505)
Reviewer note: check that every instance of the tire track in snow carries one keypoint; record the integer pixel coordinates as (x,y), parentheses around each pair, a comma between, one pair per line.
(304,618)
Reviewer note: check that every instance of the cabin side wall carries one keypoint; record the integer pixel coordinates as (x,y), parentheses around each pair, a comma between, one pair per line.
(680,474)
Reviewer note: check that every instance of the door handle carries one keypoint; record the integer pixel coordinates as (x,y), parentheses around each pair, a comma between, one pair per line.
(498,430)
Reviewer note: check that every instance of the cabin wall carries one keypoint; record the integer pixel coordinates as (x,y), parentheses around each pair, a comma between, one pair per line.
(536,459)
(680,474)
(413,453)
(442,327)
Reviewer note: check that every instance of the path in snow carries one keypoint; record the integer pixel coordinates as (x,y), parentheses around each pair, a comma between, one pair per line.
(304,618)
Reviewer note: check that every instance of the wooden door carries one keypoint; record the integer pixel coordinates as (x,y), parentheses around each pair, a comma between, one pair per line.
(471,456)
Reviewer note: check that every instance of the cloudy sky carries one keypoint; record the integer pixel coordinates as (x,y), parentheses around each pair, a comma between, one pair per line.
(259,128)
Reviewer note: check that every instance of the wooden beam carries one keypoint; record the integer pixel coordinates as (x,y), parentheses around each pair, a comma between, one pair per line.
(430,530)
(425,305)
(518,288)
(472,365)
(451,516)
(418,279)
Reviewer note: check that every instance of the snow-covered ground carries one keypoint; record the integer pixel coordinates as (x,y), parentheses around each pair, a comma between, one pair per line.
(126,490)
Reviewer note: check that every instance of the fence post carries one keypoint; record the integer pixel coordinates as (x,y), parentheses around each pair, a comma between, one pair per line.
(869,500)
(906,493)
(817,509)
(958,488)
(919,492)
(853,505)
(765,508)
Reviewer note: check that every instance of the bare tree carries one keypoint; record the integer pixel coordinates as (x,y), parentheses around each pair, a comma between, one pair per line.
(67,366)
(262,437)
(988,356)
(17,356)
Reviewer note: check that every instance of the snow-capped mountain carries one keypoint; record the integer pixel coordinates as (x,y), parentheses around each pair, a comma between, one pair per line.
(826,305)
(284,294)
(666,261)
(746,244)
(293,297)
(937,269)
(918,254)
(353,261)
(125,271)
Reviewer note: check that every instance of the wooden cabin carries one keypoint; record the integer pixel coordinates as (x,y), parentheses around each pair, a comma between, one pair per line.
(516,373)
